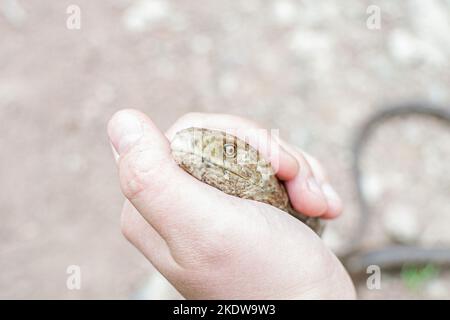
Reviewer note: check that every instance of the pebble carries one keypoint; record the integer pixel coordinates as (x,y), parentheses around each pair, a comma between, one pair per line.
(142,14)
(373,187)
(436,289)
(433,24)
(400,223)
(13,12)
(284,12)
(408,49)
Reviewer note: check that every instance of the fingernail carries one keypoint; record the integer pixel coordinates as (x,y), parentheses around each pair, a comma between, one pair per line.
(125,131)
(330,193)
(313,186)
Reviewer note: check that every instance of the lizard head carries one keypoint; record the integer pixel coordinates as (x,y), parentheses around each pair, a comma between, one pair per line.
(198,147)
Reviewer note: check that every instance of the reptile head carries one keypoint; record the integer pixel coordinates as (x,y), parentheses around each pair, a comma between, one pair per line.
(195,148)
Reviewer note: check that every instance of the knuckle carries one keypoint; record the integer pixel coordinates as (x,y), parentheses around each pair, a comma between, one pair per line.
(137,171)
(304,165)
(316,166)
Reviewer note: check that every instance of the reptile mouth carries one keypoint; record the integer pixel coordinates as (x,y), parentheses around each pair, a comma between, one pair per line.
(211,163)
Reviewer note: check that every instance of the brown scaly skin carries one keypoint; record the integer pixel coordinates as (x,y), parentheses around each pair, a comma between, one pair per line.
(234,167)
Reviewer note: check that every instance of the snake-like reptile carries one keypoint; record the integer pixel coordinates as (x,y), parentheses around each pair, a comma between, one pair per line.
(233,166)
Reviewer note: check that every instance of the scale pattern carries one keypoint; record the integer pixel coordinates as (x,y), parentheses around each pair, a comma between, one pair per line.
(233,166)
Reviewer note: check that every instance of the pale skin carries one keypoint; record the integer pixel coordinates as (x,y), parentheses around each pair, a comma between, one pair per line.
(210,245)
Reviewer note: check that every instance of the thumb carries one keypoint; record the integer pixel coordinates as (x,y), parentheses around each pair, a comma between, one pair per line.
(165,195)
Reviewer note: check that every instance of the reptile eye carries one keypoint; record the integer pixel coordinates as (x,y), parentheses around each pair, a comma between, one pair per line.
(230,150)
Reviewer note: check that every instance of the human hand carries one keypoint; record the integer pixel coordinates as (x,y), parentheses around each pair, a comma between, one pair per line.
(212,245)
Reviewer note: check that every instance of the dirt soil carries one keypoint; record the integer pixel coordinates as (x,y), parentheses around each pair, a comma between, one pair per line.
(310,68)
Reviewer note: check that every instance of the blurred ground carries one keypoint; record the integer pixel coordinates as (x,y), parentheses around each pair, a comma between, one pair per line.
(312,69)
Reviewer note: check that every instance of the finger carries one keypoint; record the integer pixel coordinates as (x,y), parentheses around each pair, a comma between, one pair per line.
(141,234)
(145,238)
(304,189)
(284,164)
(335,205)
(156,186)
